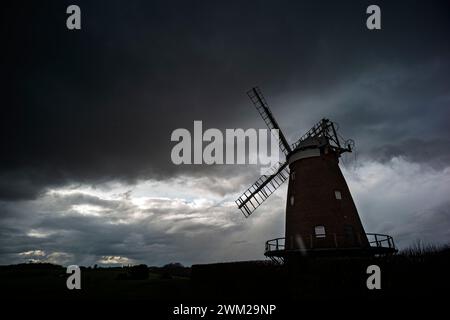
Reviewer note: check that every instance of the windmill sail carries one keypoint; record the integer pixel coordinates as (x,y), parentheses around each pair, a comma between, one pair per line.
(254,196)
(261,105)
(326,129)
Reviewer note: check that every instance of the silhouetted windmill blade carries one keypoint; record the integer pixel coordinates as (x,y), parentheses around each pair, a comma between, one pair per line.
(325,129)
(261,105)
(319,129)
(254,196)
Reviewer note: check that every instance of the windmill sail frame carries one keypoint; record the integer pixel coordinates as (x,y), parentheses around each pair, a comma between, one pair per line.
(259,191)
(261,105)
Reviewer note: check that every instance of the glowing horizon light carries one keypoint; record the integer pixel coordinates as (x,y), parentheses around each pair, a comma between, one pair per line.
(88,209)
(34,233)
(115,260)
(36,253)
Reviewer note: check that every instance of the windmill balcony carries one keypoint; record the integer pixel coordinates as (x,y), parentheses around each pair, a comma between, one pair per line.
(332,243)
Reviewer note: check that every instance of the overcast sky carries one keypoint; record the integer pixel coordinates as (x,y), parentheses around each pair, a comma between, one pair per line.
(85,171)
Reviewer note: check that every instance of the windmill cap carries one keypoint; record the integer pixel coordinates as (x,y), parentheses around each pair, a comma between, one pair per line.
(312,142)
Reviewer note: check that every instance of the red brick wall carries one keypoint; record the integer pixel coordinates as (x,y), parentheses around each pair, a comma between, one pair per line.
(313,188)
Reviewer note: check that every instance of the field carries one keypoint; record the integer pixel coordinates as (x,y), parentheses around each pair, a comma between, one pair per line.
(410,274)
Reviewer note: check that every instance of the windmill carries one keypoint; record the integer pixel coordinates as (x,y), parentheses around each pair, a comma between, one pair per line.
(321,217)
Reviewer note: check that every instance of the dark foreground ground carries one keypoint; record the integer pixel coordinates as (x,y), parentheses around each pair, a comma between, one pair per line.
(414,275)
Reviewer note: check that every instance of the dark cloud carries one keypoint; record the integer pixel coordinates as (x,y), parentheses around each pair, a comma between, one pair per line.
(435,153)
(100,104)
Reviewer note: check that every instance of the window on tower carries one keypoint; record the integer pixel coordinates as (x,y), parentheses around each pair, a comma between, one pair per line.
(348,231)
(338,195)
(319,231)
(292,200)
(293,175)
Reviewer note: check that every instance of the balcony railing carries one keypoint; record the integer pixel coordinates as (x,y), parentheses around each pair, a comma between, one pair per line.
(333,240)
(380,240)
(275,244)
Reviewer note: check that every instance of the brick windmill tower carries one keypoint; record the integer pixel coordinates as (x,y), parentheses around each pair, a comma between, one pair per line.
(321,217)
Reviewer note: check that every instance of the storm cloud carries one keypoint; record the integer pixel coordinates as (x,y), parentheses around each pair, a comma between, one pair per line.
(94,110)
